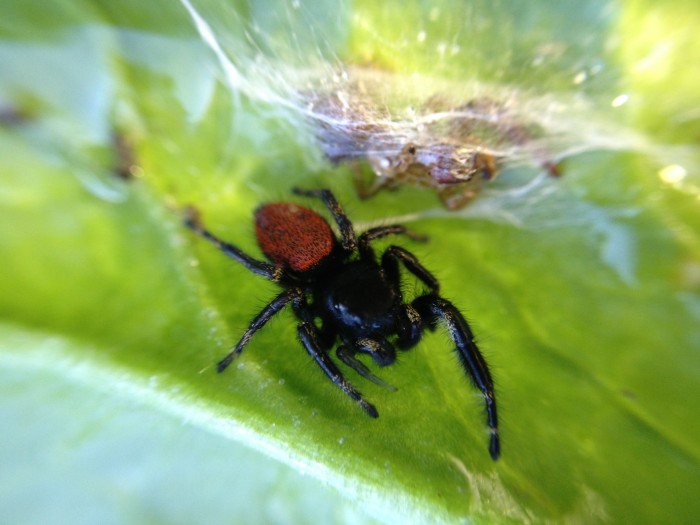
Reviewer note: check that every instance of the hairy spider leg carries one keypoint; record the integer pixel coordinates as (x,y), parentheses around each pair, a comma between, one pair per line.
(382,352)
(390,263)
(410,327)
(267,270)
(347,355)
(347,233)
(310,339)
(371,235)
(274,307)
(436,309)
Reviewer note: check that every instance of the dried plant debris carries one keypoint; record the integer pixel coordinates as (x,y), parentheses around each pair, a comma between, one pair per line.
(453,147)
(11,116)
(125,165)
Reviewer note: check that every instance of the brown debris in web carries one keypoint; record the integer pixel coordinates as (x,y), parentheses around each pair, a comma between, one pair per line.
(125,163)
(11,116)
(455,148)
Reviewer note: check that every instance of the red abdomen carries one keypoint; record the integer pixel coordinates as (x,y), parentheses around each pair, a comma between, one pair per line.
(292,236)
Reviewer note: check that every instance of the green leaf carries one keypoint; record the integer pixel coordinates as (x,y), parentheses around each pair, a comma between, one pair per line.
(584,291)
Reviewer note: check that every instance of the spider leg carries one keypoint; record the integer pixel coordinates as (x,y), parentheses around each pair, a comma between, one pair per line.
(270,271)
(367,237)
(310,339)
(390,264)
(409,323)
(347,355)
(381,350)
(435,308)
(347,233)
(391,229)
(275,306)
(325,335)
(366,188)
(409,327)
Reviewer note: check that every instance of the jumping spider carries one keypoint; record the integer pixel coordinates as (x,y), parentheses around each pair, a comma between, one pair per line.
(339,290)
